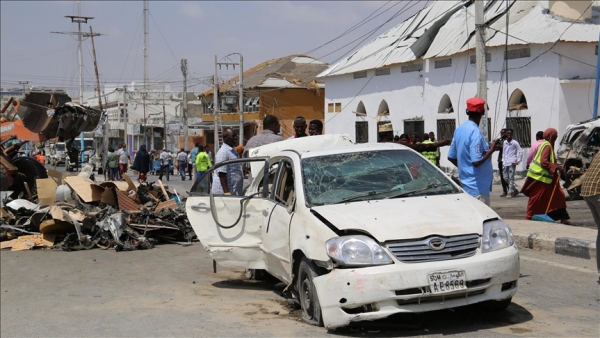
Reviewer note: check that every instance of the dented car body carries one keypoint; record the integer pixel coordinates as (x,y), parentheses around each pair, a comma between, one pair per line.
(358,232)
(576,151)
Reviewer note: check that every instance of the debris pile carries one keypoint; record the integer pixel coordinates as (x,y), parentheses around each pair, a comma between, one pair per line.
(74,213)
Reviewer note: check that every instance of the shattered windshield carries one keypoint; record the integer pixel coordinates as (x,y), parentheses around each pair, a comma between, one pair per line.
(342,178)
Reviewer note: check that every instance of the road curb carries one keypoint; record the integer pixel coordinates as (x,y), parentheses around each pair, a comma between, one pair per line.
(566,246)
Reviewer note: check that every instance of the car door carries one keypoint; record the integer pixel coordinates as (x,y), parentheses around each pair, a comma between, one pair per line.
(229,227)
(276,239)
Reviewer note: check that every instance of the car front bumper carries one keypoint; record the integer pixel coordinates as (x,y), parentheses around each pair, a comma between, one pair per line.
(371,293)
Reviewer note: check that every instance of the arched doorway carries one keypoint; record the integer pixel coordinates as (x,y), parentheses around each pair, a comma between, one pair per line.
(361,125)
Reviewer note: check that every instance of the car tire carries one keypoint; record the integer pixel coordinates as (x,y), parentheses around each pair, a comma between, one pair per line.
(495,305)
(307,294)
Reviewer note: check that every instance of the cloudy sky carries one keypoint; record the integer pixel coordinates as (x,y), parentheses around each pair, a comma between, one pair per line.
(196,31)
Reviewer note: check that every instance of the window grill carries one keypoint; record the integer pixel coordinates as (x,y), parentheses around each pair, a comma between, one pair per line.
(360,75)
(412,67)
(596,52)
(488,58)
(517,53)
(362,131)
(445,63)
(446,128)
(521,127)
(414,127)
(382,71)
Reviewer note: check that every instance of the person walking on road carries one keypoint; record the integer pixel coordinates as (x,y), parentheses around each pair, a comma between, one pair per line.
(590,191)
(501,164)
(229,179)
(165,158)
(542,184)
(189,165)
(182,163)
(193,153)
(471,154)
(113,164)
(123,160)
(511,157)
(142,163)
(202,162)
(539,139)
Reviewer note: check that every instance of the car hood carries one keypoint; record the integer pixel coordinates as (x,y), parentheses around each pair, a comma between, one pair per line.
(407,218)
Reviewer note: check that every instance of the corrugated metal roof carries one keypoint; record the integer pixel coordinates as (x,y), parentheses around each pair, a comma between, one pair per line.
(293,71)
(530,22)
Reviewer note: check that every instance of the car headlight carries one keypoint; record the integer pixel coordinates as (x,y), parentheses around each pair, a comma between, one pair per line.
(496,235)
(356,250)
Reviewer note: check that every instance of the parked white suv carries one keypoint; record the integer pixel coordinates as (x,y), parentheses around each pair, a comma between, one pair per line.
(358,232)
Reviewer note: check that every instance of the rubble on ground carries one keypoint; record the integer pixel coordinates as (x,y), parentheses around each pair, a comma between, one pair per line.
(75,212)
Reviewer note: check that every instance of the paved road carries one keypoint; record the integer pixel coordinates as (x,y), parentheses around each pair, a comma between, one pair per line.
(172,291)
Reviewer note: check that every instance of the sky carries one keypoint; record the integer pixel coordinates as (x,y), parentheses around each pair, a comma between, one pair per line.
(192,30)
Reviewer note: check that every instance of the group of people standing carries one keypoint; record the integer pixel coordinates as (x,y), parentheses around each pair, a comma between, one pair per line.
(471,154)
(117,162)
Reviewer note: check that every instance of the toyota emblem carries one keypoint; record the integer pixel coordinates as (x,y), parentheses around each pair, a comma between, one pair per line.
(437,244)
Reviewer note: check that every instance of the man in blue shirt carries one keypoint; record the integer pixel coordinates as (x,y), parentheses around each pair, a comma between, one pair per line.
(471,154)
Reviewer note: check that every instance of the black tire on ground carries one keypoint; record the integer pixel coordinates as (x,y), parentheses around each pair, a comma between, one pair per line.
(495,305)
(309,300)
(29,170)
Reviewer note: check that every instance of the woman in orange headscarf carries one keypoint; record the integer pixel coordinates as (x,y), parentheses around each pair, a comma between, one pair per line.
(542,185)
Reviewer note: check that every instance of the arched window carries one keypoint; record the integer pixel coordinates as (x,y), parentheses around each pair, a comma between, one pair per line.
(517,100)
(360,109)
(445,106)
(383,109)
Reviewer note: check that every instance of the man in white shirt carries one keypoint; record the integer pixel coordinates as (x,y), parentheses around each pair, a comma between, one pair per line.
(511,156)
(164,158)
(123,160)
(182,160)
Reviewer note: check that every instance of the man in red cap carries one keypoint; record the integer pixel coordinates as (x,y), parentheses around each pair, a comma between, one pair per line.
(471,154)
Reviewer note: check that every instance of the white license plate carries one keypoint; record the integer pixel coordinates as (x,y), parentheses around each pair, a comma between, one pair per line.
(447,281)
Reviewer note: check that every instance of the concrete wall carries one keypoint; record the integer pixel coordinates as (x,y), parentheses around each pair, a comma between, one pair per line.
(418,94)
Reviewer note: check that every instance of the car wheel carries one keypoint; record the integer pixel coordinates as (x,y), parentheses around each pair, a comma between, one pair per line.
(496,305)
(309,300)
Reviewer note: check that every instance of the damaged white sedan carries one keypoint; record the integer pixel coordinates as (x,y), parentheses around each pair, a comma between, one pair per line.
(358,232)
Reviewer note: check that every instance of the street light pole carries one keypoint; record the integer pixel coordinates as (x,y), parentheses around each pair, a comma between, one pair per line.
(480,63)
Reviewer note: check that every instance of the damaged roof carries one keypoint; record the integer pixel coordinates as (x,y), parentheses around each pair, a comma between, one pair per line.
(293,71)
(446,28)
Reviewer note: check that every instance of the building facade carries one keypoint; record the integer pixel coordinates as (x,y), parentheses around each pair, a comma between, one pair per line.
(550,79)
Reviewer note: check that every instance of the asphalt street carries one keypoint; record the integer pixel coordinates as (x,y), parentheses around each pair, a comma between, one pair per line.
(171,290)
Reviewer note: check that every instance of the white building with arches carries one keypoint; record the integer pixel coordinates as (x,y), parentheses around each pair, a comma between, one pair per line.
(419,74)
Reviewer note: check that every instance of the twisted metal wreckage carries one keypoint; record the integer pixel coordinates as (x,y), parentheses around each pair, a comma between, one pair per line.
(97,215)
(52,209)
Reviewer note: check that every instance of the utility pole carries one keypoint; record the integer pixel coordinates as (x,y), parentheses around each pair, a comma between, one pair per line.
(184,110)
(125,118)
(596,86)
(78,19)
(146,66)
(241,91)
(105,134)
(241,100)
(165,124)
(24,83)
(216,109)
(481,63)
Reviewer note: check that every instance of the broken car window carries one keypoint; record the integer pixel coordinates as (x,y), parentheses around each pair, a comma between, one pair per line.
(370,175)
